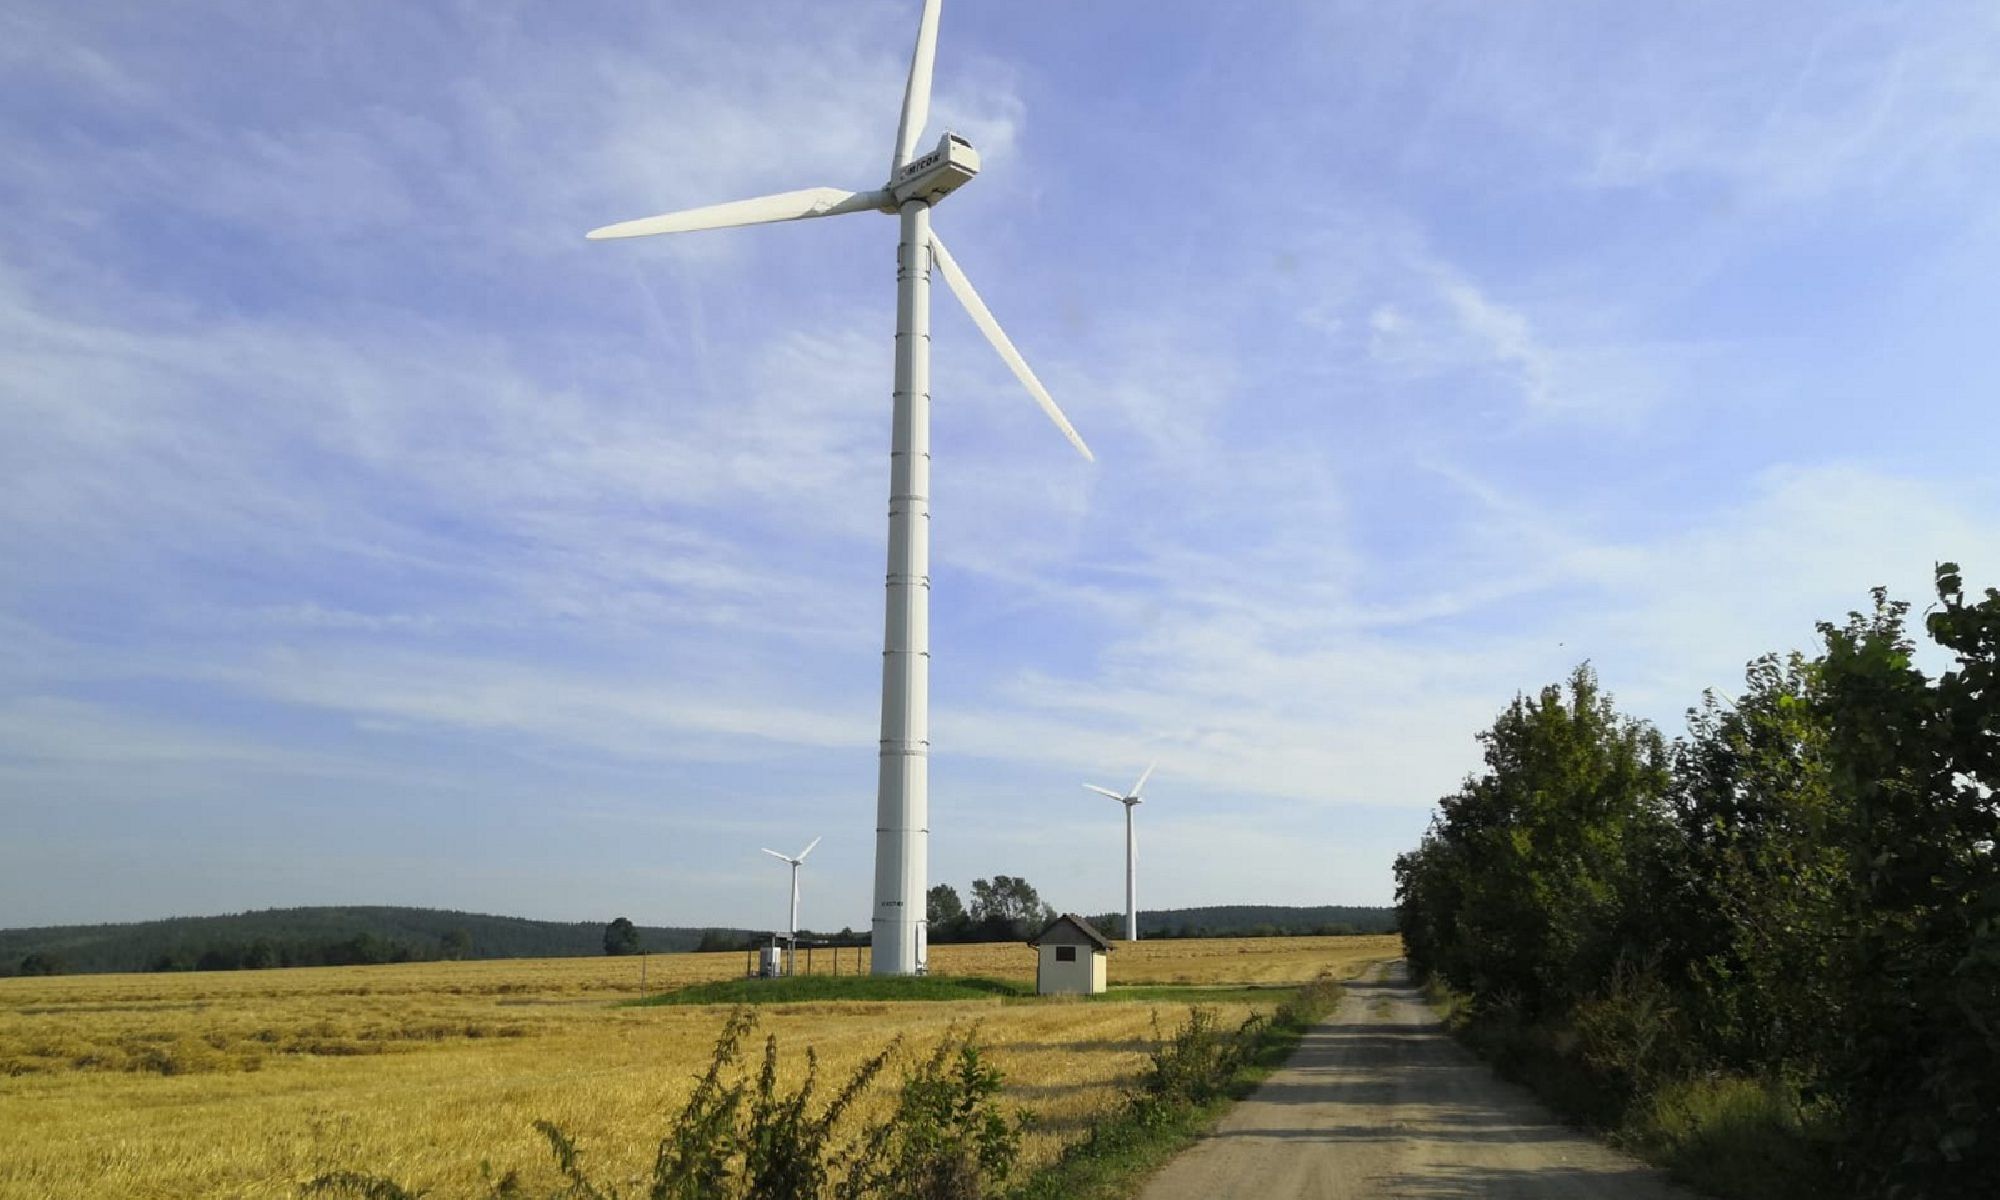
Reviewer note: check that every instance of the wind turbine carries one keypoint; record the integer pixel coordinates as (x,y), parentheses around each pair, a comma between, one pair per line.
(796,864)
(1131,801)
(902,804)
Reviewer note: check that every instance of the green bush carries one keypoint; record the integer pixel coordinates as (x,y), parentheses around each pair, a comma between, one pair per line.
(1196,1064)
(1744,1135)
(1631,1032)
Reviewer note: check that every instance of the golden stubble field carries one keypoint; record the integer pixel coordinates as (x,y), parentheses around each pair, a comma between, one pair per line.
(245,1084)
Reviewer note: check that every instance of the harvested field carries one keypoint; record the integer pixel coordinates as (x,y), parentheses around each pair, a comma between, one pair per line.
(246,1083)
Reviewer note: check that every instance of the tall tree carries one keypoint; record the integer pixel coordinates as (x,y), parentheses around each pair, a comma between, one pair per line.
(621,937)
(1532,877)
(1007,906)
(942,907)
(1761,868)
(1914,1053)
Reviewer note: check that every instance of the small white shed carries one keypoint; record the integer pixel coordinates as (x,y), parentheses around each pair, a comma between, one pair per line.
(1070,958)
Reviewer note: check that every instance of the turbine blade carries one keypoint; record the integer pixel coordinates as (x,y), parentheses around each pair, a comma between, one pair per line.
(1105,792)
(807,850)
(762,210)
(775,854)
(982,317)
(917,92)
(1143,777)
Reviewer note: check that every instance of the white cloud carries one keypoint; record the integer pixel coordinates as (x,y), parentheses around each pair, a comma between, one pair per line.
(37,729)
(1777,104)
(1417,373)
(687,718)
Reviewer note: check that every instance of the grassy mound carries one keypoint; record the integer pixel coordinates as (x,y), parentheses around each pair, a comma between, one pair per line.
(808,989)
(804,989)
(1198,993)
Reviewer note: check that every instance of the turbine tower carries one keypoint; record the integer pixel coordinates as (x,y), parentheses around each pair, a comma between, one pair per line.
(1131,801)
(915,184)
(796,864)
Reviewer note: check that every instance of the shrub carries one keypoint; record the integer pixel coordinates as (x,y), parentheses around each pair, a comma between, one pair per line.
(695,1156)
(787,1152)
(948,1138)
(1631,1032)
(1731,1134)
(1196,1064)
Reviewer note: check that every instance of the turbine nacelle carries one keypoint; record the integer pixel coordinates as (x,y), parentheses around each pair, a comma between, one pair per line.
(1128,799)
(788,858)
(936,175)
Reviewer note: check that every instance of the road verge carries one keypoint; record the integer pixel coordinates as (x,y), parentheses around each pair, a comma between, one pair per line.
(1189,1081)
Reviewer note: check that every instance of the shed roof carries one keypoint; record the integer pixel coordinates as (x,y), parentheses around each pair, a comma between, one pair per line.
(1079,924)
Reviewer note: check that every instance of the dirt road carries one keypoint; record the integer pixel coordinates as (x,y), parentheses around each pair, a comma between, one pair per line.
(1379,1102)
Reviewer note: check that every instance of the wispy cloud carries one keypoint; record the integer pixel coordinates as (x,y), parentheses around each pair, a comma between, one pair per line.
(1425,353)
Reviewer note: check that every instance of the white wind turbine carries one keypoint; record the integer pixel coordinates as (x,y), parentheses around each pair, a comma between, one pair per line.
(1131,801)
(902,807)
(798,862)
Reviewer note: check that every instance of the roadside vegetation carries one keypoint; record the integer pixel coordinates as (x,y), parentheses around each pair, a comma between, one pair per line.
(1190,1077)
(945,1135)
(1767,954)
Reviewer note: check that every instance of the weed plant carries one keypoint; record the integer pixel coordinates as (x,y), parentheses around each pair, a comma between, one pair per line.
(947,1137)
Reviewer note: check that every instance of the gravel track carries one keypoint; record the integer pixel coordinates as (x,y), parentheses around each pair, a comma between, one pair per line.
(1380,1102)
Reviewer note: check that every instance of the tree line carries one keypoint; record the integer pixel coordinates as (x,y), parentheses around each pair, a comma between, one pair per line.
(362,949)
(1005,908)
(1252,921)
(1799,899)
(311,937)
(1008,908)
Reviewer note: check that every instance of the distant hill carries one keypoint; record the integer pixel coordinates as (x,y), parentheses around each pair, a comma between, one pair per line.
(312,936)
(1251,920)
(278,937)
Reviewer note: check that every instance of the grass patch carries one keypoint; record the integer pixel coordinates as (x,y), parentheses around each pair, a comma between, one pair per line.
(808,989)
(1120,1156)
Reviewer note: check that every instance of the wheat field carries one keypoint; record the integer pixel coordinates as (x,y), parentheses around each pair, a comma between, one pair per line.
(246,1084)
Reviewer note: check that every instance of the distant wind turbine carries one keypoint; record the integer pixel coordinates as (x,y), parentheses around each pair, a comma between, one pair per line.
(798,862)
(1131,801)
(902,806)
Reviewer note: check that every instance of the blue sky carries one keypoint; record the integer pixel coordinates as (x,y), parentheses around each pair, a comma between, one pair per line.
(369,537)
